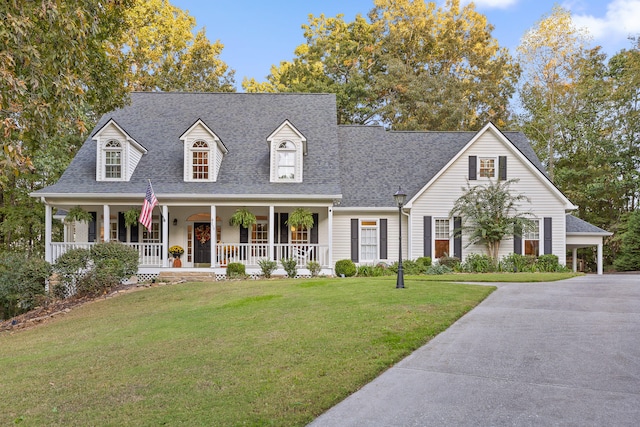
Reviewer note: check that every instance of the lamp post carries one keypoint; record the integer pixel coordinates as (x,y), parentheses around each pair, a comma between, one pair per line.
(400,197)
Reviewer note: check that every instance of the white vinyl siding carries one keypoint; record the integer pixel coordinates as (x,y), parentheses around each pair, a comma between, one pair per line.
(449,186)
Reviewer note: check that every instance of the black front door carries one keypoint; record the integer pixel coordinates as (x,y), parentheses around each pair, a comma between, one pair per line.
(202,243)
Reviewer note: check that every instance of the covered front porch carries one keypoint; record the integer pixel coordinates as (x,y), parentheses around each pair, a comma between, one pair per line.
(206,236)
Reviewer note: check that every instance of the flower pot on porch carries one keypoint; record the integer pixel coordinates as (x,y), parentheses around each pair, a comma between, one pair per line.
(176,261)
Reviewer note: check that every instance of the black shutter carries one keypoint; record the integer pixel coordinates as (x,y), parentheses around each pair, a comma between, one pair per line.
(313,233)
(517,240)
(284,230)
(383,238)
(93,227)
(354,239)
(502,168)
(244,238)
(122,229)
(547,236)
(457,237)
(473,167)
(427,236)
(135,231)
(276,228)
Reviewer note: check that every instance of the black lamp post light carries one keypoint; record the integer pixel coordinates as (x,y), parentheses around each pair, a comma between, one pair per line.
(400,197)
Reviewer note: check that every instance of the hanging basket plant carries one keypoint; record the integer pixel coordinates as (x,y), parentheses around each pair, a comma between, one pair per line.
(78,214)
(301,217)
(131,217)
(242,217)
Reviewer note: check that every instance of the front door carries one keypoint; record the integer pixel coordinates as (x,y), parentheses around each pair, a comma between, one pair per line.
(202,243)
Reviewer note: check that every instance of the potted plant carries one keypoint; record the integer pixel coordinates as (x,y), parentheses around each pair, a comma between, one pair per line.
(301,217)
(242,217)
(175,252)
(131,217)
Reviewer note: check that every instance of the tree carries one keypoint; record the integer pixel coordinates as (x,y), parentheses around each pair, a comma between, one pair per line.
(162,54)
(549,54)
(54,61)
(629,257)
(338,57)
(440,68)
(490,213)
(413,66)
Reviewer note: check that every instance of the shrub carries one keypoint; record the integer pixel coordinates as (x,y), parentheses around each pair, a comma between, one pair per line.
(96,270)
(22,283)
(424,262)
(268,267)
(439,269)
(409,266)
(314,268)
(365,271)
(479,263)
(289,266)
(382,269)
(236,270)
(450,261)
(548,263)
(518,263)
(345,267)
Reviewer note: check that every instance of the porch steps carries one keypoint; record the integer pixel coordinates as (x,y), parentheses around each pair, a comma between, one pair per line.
(189,276)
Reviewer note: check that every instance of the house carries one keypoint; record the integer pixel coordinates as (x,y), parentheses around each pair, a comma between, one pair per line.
(209,154)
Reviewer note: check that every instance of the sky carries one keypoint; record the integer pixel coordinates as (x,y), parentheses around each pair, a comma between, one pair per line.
(259,33)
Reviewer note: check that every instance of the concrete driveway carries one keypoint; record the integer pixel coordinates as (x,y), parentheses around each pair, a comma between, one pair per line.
(537,354)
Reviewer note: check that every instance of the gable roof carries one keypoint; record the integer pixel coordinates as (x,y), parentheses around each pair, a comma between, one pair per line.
(375,162)
(156,120)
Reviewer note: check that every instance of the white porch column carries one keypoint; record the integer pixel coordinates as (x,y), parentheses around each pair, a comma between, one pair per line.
(48,217)
(574,259)
(330,236)
(165,236)
(599,258)
(214,233)
(106,223)
(271,228)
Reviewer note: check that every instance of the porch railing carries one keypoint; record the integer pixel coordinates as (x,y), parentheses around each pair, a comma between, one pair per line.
(250,253)
(149,254)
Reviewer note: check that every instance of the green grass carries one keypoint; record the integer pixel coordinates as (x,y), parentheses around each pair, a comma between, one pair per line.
(276,352)
(497,277)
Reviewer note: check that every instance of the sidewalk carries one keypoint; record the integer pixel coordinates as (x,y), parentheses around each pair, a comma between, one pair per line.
(562,353)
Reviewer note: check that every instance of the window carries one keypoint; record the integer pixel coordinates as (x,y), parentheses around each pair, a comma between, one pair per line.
(286,156)
(200,160)
(487,167)
(153,235)
(299,235)
(113,160)
(260,236)
(368,240)
(442,238)
(532,241)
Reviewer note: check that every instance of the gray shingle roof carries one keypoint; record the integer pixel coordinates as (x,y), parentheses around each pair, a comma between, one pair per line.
(577,225)
(365,164)
(242,121)
(376,162)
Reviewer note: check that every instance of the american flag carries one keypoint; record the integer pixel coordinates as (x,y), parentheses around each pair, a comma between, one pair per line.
(150,202)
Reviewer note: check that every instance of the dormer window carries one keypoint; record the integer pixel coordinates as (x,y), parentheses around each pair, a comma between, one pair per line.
(200,161)
(117,153)
(288,147)
(203,153)
(113,160)
(286,158)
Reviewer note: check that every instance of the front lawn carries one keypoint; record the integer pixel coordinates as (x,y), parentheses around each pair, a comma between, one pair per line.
(277,352)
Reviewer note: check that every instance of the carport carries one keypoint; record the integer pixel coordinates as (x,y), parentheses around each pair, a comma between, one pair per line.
(581,234)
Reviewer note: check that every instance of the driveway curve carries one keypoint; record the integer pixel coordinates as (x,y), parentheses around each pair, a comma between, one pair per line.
(532,354)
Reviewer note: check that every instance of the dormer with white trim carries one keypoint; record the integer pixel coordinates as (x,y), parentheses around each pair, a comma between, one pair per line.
(288,148)
(203,153)
(117,153)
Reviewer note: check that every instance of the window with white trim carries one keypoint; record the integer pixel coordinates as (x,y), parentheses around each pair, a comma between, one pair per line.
(442,238)
(531,240)
(369,241)
(286,158)
(487,167)
(299,235)
(200,154)
(113,160)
